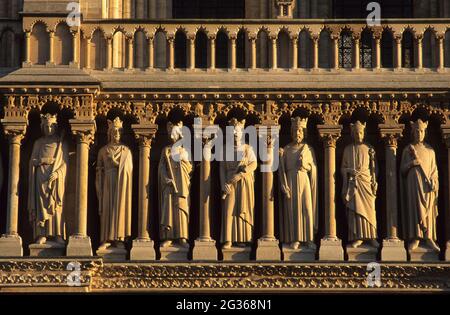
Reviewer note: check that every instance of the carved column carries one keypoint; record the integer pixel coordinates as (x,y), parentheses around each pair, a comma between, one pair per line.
(398,42)
(419,52)
(84,131)
(11,242)
(75,48)
(151,52)
(130,63)
(446,137)
(212,51)
(330,245)
(192,52)
(315,40)
(294,41)
(233,52)
(51,59)
(108,53)
(393,247)
(335,39)
(441,61)
(27,47)
(357,40)
(378,52)
(205,246)
(171,64)
(274,53)
(268,246)
(143,246)
(253,60)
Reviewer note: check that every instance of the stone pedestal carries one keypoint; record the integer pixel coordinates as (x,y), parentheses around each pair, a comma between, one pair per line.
(424,253)
(204,251)
(11,246)
(364,252)
(236,254)
(142,250)
(112,254)
(268,250)
(303,253)
(49,249)
(79,246)
(393,250)
(174,253)
(331,250)
(447,252)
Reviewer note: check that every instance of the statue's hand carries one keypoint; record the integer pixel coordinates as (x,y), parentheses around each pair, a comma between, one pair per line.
(286,191)
(415,162)
(53,177)
(227,189)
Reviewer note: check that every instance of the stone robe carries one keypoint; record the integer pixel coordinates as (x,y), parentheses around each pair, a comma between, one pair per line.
(45,201)
(299,215)
(358,195)
(419,193)
(174,207)
(238,206)
(114,191)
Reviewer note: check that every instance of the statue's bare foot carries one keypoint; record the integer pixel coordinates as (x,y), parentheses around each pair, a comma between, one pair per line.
(227,245)
(60,240)
(413,245)
(166,243)
(41,240)
(312,245)
(295,245)
(433,245)
(184,243)
(356,244)
(374,243)
(104,245)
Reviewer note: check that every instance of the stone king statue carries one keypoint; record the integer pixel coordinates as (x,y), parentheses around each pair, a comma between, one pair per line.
(298,182)
(419,184)
(174,180)
(359,189)
(47,182)
(114,187)
(238,192)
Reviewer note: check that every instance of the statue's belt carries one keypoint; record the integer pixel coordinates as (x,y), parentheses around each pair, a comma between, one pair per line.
(45,161)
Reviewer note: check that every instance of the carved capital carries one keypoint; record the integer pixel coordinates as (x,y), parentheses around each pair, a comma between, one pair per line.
(144,133)
(390,134)
(83,130)
(329,134)
(15,136)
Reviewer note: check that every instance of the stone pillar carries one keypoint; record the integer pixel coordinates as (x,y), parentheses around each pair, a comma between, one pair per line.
(330,245)
(130,63)
(108,53)
(419,39)
(274,53)
(377,52)
(151,54)
(212,43)
(11,242)
(233,52)
(440,39)
(393,247)
(294,45)
(88,53)
(51,59)
(446,136)
(27,47)
(336,51)
(357,40)
(398,45)
(315,40)
(192,52)
(143,247)
(80,243)
(171,41)
(253,60)
(205,246)
(268,246)
(75,48)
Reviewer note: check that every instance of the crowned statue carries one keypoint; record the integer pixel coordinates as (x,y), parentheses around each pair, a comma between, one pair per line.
(114,188)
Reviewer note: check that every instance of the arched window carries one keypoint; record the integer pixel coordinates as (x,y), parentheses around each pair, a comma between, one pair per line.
(63,45)
(222,50)
(160,43)
(325,50)
(387,49)
(262,47)
(305,53)
(408,50)
(9,54)
(283,58)
(366,49)
(447,49)
(346,50)
(429,49)
(201,50)
(98,46)
(140,50)
(241,44)
(180,50)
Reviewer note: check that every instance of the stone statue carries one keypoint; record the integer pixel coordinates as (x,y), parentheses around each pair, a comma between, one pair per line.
(238,192)
(114,188)
(359,188)
(174,181)
(47,183)
(298,182)
(419,184)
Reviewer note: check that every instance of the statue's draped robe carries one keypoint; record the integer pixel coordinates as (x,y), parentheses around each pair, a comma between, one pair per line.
(50,154)
(299,220)
(358,195)
(238,206)
(419,200)
(114,189)
(174,208)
